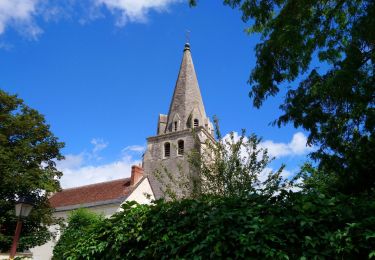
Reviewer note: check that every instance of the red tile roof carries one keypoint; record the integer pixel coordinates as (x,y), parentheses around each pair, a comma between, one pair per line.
(103,191)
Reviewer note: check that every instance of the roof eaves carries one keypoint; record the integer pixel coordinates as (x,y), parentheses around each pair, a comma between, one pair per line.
(91,204)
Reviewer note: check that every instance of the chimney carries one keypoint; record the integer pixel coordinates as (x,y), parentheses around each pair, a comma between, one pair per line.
(137,174)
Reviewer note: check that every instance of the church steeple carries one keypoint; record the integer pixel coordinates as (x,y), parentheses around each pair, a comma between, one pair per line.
(175,136)
(186,109)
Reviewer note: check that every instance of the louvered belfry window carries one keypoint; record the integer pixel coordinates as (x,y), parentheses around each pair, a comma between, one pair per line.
(181,147)
(167,149)
(196,122)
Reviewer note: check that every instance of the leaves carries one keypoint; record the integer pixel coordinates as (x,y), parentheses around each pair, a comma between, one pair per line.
(332,99)
(230,166)
(81,222)
(290,226)
(28,151)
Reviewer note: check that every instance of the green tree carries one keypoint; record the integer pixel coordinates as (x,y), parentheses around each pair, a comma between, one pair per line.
(335,105)
(231,166)
(28,151)
(234,166)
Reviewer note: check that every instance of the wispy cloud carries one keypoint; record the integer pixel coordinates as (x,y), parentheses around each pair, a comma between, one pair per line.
(134,148)
(19,14)
(134,11)
(99,144)
(22,15)
(5,46)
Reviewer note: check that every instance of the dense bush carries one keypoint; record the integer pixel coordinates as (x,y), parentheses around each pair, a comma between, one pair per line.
(290,226)
(81,223)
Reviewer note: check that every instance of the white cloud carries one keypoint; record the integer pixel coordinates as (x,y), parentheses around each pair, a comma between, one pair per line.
(71,161)
(297,146)
(80,169)
(99,145)
(134,148)
(285,174)
(87,174)
(20,15)
(134,10)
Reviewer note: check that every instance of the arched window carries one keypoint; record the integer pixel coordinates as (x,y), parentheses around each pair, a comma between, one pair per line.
(196,122)
(180,147)
(167,149)
(175,126)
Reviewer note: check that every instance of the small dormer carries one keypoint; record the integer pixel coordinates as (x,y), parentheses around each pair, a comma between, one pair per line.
(175,124)
(194,119)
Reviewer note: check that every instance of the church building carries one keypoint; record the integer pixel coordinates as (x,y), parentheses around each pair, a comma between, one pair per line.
(185,128)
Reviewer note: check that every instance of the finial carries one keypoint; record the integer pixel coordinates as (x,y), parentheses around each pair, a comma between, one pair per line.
(187,42)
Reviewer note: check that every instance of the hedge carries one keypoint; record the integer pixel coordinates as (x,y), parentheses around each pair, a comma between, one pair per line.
(287,226)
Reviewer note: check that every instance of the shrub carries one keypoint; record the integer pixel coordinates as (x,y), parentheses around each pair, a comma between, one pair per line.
(289,225)
(80,223)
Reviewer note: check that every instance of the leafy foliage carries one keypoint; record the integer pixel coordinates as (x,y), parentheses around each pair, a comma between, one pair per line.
(81,223)
(27,167)
(336,105)
(290,225)
(229,166)
(234,166)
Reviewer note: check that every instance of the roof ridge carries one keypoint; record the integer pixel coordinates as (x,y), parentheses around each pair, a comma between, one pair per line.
(98,183)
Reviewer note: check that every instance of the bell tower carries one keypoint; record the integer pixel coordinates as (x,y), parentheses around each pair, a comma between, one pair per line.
(177,132)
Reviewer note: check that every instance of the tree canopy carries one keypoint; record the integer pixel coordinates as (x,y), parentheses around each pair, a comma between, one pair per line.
(28,151)
(334,103)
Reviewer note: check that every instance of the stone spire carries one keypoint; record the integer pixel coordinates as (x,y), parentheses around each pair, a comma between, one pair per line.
(186,109)
(175,136)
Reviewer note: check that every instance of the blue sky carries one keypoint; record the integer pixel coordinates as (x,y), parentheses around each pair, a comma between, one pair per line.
(102,70)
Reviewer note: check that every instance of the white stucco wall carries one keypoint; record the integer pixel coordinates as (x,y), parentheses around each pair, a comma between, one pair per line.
(142,194)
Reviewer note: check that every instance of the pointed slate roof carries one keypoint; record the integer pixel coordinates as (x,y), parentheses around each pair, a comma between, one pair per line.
(187,96)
